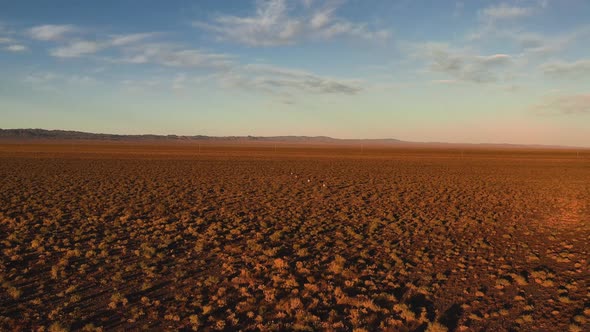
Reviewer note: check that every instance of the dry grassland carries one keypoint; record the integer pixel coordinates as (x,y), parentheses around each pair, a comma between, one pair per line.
(257,237)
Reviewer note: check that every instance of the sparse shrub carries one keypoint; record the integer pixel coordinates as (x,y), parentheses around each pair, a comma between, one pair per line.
(57,327)
(436,327)
(404,312)
(337,264)
(55,272)
(14,292)
(194,321)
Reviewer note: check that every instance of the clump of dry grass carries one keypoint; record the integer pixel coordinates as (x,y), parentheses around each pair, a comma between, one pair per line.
(436,327)
(225,244)
(57,327)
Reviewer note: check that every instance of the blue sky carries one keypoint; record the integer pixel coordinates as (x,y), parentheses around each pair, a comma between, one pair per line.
(515,71)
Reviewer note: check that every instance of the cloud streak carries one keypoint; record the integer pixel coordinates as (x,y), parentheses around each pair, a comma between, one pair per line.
(51,32)
(78,48)
(273,25)
(173,56)
(52,81)
(564,105)
(277,79)
(505,12)
(284,83)
(16,48)
(462,65)
(567,70)
(225,69)
(126,39)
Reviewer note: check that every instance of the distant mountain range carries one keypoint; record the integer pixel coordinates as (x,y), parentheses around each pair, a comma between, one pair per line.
(57,135)
(43,134)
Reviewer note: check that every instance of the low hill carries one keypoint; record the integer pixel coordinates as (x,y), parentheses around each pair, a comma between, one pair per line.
(24,135)
(43,134)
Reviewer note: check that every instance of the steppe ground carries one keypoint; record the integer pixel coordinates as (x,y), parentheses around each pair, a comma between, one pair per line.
(118,236)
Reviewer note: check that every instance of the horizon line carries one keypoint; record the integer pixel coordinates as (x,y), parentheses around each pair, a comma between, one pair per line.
(197,136)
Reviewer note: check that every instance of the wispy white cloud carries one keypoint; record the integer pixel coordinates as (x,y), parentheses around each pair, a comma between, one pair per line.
(564,105)
(345,28)
(534,44)
(16,48)
(52,81)
(273,77)
(224,68)
(270,26)
(445,82)
(494,18)
(505,12)
(532,50)
(537,45)
(273,20)
(276,82)
(144,85)
(122,40)
(307,3)
(567,70)
(321,18)
(76,49)
(51,32)
(462,64)
(6,31)
(274,24)
(173,56)
(8,38)
(39,78)
(179,82)
(284,81)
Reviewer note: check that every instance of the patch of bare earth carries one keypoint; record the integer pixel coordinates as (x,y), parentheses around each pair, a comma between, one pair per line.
(570,213)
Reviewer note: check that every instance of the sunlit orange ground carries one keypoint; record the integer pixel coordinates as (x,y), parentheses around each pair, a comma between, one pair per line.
(269,236)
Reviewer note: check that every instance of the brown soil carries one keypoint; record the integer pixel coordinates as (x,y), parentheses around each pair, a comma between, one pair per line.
(285,237)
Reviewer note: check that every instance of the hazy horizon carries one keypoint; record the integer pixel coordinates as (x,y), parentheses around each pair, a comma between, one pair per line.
(377,141)
(513,71)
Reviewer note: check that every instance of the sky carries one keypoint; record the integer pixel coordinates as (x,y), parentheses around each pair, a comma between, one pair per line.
(479,71)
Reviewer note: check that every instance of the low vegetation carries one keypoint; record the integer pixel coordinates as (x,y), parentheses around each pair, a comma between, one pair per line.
(211,242)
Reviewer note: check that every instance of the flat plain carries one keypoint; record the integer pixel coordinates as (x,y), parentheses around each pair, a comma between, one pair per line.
(120,236)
